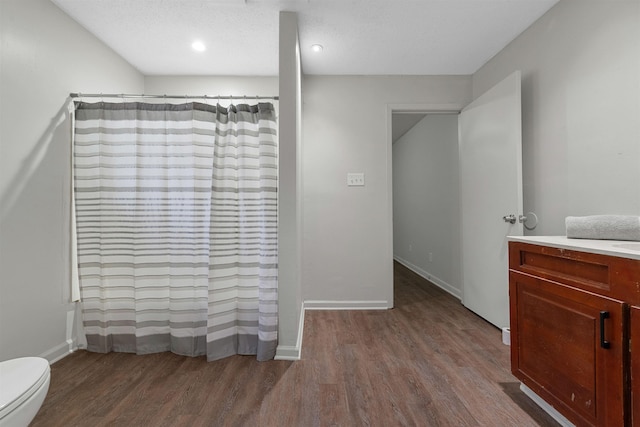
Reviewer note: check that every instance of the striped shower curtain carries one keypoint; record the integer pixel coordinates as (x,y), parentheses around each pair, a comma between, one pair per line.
(176,224)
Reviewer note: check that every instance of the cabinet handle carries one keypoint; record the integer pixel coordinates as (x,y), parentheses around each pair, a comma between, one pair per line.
(603,343)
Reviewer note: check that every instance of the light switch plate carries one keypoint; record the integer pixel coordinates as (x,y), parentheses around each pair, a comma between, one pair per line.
(355,179)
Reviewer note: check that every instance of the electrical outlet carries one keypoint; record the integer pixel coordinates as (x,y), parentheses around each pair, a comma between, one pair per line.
(355,179)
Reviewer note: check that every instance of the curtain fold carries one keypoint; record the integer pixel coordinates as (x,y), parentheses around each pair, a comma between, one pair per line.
(177,227)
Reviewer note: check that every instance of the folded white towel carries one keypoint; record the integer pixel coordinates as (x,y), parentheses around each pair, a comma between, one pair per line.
(603,227)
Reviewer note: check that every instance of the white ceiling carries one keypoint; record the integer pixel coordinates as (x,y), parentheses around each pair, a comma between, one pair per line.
(362,37)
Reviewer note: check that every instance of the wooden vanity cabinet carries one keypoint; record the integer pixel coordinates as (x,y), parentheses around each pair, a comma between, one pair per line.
(571,318)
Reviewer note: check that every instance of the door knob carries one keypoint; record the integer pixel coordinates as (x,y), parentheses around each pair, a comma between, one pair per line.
(511,219)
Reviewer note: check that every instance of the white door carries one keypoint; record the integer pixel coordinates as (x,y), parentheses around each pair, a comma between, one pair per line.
(490,144)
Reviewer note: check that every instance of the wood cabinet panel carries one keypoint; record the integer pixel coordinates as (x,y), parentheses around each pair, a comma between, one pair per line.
(557,352)
(635,366)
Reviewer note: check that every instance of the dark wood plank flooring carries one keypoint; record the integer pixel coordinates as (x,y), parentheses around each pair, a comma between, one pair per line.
(427,362)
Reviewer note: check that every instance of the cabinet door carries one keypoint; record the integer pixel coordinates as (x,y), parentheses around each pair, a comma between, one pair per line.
(635,366)
(558,348)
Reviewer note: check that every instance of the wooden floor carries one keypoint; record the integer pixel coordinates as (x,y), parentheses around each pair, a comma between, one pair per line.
(427,362)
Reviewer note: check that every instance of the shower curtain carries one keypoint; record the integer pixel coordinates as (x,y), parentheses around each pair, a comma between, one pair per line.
(176,225)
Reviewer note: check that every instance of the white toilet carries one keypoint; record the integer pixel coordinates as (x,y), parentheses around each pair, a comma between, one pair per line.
(24,383)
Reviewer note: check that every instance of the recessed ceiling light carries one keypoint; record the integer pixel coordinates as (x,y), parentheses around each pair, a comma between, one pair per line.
(198,46)
(316,47)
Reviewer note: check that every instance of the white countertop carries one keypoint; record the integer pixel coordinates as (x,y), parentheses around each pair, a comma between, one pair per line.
(619,248)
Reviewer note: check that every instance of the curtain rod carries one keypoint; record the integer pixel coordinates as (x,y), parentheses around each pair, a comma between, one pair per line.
(124,95)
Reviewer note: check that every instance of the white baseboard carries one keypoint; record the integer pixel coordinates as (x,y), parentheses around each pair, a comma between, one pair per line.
(345,305)
(546,407)
(430,277)
(289,352)
(60,351)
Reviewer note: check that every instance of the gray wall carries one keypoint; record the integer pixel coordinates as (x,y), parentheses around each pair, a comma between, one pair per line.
(426,201)
(213,85)
(580,68)
(347,231)
(45,56)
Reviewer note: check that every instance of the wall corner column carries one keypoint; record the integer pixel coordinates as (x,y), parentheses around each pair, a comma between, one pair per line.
(290,310)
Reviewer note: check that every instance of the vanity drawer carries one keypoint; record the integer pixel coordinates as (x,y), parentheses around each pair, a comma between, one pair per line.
(606,275)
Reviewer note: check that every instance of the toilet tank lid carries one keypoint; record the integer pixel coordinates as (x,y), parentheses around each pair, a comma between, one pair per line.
(18,376)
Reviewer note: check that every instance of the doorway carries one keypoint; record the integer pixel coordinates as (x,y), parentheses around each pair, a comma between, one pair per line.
(426,231)
(490,184)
